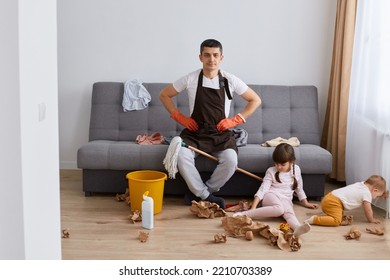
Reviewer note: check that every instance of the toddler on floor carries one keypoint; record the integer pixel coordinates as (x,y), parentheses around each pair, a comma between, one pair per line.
(356,195)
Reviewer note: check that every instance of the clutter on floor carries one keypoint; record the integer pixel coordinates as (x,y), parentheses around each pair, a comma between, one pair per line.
(135,216)
(206,209)
(347,220)
(239,226)
(245,227)
(123,197)
(143,236)
(220,238)
(242,205)
(65,233)
(353,233)
(378,230)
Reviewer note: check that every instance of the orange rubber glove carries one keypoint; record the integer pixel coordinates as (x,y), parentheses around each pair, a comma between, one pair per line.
(227,123)
(185,121)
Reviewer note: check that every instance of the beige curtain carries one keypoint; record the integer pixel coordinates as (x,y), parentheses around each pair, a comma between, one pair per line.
(335,126)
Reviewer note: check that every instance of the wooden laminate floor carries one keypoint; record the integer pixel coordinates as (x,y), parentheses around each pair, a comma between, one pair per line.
(100,229)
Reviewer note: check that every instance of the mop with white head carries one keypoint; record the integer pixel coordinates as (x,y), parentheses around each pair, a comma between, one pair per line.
(170,160)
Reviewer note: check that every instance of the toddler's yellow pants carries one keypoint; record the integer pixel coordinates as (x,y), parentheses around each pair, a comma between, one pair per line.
(333,209)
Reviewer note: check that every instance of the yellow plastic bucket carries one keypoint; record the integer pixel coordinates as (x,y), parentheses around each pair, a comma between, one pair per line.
(146,180)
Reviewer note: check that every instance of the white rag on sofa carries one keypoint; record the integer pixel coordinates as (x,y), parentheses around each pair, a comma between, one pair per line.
(135,96)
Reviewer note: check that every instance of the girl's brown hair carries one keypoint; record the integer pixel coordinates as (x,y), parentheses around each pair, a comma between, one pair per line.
(285,153)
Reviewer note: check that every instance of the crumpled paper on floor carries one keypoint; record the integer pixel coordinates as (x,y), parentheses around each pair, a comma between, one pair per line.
(206,209)
(378,230)
(135,216)
(143,236)
(242,205)
(123,197)
(346,220)
(65,233)
(220,238)
(285,240)
(354,233)
(238,226)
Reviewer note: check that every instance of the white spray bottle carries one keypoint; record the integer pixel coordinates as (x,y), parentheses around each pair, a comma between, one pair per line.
(147,211)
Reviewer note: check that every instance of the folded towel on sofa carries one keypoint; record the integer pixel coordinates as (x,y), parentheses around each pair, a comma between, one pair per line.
(293,141)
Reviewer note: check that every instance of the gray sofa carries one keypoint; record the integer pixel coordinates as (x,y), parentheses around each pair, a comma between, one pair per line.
(112,152)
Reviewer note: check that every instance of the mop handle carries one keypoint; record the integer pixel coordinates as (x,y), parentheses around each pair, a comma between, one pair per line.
(216,159)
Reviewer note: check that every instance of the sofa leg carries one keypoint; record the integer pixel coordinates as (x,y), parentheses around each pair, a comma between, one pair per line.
(87,194)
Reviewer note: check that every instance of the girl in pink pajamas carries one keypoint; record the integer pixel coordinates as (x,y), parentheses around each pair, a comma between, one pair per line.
(276,192)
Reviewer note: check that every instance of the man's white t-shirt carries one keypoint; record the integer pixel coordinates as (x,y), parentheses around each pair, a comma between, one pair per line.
(190,83)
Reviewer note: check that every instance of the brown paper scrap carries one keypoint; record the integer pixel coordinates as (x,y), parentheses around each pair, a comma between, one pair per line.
(238,226)
(135,216)
(346,220)
(220,238)
(242,205)
(376,230)
(206,209)
(143,236)
(123,197)
(65,233)
(354,233)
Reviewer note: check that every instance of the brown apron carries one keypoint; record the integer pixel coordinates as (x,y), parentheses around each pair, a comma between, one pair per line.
(209,110)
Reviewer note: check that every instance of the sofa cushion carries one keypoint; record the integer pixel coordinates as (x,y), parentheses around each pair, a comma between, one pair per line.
(125,155)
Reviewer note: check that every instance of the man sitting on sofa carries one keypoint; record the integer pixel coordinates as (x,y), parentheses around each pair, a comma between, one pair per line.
(207,128)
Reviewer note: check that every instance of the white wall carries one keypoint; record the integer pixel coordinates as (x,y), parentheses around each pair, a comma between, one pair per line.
(285,42)
(10,164)
(29,164)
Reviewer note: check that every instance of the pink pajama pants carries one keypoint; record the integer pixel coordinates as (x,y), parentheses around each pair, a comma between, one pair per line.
(275,206)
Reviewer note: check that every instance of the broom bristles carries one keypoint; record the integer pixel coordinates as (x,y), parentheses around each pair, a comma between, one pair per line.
(170,160)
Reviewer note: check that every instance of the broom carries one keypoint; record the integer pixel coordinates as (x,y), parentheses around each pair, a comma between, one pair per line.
(170,160)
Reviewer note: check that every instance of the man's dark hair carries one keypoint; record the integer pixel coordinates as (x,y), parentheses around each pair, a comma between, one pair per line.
(210,43)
